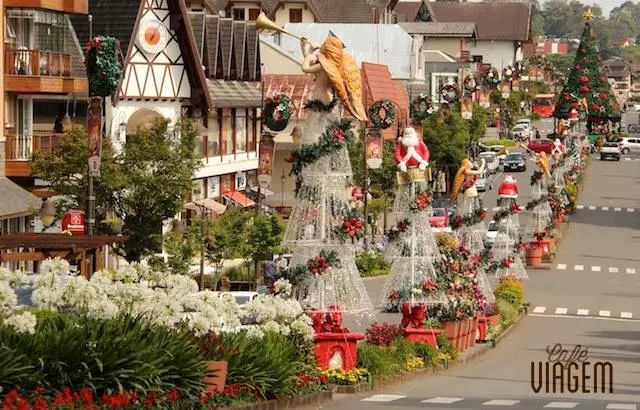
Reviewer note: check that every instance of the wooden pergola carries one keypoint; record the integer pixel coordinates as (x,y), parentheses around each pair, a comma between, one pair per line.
(36,247)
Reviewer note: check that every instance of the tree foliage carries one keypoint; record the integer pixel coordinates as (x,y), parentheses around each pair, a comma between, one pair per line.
(144,184)
(447,136)
(382,179)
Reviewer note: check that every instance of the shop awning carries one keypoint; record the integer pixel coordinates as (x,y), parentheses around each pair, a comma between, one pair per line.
(208,203)
(16,201)
(235,94)
(240,199)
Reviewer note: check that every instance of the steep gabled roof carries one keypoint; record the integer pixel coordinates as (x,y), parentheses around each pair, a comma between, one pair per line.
(432,29)
(494,21)
(407,10)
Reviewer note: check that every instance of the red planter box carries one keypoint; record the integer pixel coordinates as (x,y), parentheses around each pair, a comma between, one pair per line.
(483,325)
(426,336)
(340,347)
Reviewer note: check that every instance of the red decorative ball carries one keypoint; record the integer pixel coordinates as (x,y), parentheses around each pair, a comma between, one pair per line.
(595,107)
(584,89)
(584,59)
(602,79)
(583,50)
(575,106)
(584,79)
(567,97)
(577,67)
(604,96)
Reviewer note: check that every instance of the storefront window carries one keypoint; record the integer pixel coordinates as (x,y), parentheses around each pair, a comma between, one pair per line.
(241,130)
(197,191)
(227,132)
(214,187)
(241,181)
(213,140)
(251,130)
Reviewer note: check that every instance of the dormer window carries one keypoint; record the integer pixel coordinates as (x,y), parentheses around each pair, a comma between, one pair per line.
(295,15)
(253,14)
(238,14)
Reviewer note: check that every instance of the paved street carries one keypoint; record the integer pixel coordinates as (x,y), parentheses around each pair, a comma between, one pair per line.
(589,297)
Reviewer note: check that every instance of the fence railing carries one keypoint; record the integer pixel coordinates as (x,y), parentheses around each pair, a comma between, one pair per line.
(22,147)
(37,63)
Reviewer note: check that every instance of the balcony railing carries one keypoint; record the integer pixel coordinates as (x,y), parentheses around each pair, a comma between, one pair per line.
(37,63)
(22,147)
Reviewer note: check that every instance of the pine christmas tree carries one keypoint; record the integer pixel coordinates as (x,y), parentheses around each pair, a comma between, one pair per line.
(587,88)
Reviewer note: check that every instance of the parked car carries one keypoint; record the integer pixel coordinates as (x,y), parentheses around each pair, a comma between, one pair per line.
(439,221)
(447,204)
(541,145)
(630,144)
(521,132)
(515,161)
(610,150)
(525,121)
(484,181)
(491,161)
(241,298)
(492,232)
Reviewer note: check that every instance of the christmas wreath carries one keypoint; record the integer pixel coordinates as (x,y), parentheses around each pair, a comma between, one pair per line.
(492,77)
(421,107)
(103,62)
(469,85)
(336,135)
(509,73)
(422,202)
(450,93)
(477,216)
(382,113)
(277,111)
(401,227)
(318,265)
(319,106)
(351,228)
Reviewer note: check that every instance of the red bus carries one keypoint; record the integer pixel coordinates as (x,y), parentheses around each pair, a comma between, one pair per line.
(544,105)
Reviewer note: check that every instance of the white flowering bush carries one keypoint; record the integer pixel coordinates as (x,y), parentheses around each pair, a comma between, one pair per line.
(172,301)
(282,287)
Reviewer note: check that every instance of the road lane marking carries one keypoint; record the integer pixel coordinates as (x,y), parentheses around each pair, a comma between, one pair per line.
(626,315)
(578,267)
(617,209)
(384,397)
(562,266)
(613,270)
(442,400)
(595,269)
(579,206)
(604,313)
(561,311)
(583,312)
(621,406)
(631,271)
(561,405)
(630,209)
(612,319)
(539,309)
(592,208)
(501,403)
(605,208)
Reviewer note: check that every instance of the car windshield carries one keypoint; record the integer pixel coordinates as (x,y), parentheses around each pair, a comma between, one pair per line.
(488,158)
(492,227)
(439,212)
(514,157)
(241,300)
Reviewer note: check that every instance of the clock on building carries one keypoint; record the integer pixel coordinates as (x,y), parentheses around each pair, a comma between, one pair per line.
(152,36)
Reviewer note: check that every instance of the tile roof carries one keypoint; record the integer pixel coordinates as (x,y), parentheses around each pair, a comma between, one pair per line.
(433,29)
(407,10)
(16,201)
(378,85)
(495,21)
(234,94)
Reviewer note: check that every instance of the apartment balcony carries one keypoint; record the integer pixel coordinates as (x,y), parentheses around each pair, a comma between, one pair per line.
(63,6)
(20,148)
(41,72)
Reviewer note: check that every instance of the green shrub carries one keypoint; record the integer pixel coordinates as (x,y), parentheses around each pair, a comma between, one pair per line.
(427,353)
(505,142)
(446,347)
(379,361)
(237,273)
(512,291)
(372,264)
(270,366)
(122,354)
(508,312)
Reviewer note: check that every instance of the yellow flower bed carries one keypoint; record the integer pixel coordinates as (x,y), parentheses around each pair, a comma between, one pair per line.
(346,377)
(414,363)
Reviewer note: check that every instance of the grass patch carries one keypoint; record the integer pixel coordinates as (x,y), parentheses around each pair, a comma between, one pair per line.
(505,142)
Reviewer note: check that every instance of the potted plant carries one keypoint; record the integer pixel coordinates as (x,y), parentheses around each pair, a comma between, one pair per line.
(213,349)
(113,224)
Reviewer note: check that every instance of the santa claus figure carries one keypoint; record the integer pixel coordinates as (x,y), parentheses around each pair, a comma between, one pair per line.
(411,152)
(508,188)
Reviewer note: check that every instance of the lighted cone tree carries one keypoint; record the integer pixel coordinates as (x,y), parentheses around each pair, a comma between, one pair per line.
(412,249)
(323,230)
(587,88)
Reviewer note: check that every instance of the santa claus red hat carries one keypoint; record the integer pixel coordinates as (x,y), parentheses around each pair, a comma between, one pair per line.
(508,188)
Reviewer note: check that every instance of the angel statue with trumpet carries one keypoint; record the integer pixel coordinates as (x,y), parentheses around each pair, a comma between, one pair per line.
(323,229)
(471,237)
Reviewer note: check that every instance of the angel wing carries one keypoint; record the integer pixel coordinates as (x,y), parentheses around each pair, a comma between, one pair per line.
(458,181)
(353,84)
(334,74)
(543,161)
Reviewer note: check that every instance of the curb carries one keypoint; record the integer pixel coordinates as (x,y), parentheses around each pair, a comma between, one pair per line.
(311,399)
(371,278)
(541,267)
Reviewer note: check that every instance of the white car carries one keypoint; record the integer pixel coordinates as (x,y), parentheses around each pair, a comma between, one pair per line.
(492,233)
(525,121)
(241,298)
(522,131)
(491,161)
(630,144)
(484,181)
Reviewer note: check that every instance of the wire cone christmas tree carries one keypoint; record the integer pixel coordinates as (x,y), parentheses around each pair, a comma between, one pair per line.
(412,248)
(587,88)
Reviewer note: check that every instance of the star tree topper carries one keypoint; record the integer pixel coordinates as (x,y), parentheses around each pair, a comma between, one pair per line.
(588,15)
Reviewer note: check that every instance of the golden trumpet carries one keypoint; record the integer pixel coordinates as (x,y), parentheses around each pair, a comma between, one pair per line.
(264,23)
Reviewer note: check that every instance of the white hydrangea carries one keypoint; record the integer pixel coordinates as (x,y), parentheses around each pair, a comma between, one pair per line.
(14,279)
(254,332)
(23,322)
(282,287)
(55,266)
(302,326)
(8,299)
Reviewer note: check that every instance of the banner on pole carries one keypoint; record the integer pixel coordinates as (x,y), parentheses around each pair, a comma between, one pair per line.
(266,152)
(467,108)
(374,148)
(94,129)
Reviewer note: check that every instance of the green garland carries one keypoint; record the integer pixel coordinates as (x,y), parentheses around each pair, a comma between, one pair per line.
(400,228)
(532,204)
(319,106)
(504,213)
(351,228)
(376,111)
(477,216)
(418,113)
(277,111)
(316,265)
(103,62)
(537,176)
(337,135)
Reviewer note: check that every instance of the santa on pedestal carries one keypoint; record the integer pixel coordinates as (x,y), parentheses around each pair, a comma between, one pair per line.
(411,151)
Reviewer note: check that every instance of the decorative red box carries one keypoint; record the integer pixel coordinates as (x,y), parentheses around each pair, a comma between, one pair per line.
(337,348)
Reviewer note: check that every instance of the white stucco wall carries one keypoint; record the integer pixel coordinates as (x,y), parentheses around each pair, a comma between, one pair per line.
(499,54)
(276,61)
(125,109)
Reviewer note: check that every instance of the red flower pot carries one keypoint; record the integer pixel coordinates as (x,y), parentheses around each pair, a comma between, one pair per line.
(534,255)
(426,336)
(452,331)
(216,376)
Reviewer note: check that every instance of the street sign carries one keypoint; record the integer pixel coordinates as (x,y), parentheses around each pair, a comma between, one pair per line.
(73,221)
